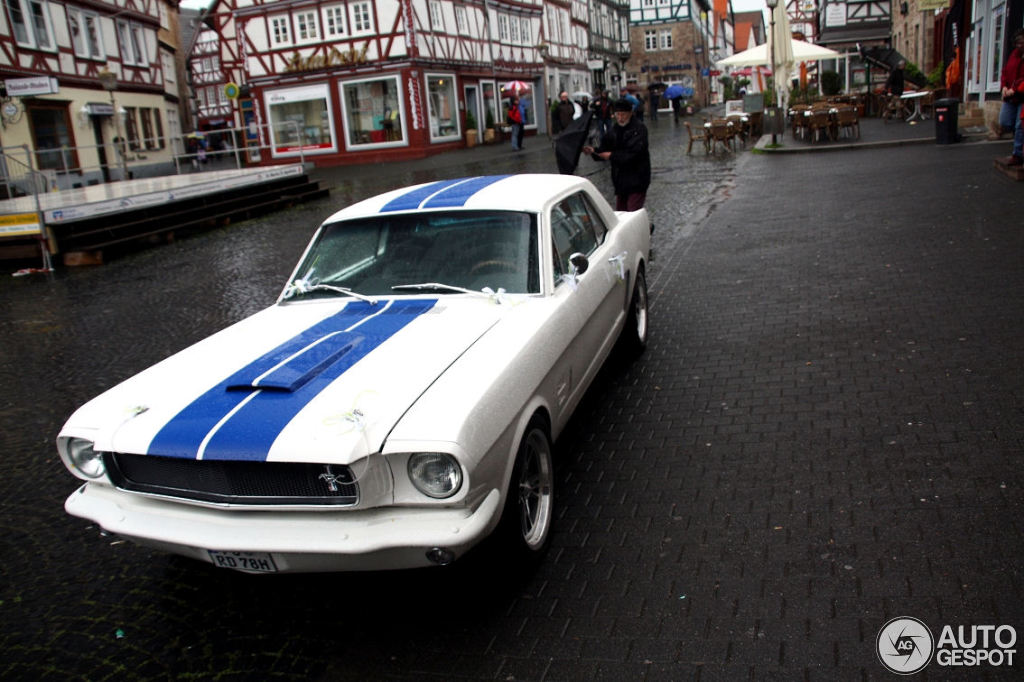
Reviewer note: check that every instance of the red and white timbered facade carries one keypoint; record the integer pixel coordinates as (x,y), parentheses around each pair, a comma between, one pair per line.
(51,58)
(346,81)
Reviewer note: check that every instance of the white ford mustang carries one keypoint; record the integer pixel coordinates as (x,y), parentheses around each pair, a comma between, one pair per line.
(398,402)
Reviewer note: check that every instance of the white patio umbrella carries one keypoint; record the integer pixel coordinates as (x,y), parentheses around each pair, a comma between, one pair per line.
(780,40)
(759,56)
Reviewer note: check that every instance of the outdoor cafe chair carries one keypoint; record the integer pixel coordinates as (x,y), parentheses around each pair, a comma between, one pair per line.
(701,136)
(799,118)
(722,133)
(820,126)
(740,126)
(847,121)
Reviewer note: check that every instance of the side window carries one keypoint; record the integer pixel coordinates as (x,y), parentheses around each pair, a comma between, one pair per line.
(575,227)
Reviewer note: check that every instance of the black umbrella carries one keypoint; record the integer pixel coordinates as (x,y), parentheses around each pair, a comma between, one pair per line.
(570,143)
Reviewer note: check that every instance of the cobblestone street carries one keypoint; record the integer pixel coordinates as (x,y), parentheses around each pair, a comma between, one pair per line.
(825,433)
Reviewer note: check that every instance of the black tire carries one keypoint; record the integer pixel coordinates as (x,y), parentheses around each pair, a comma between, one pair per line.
(525,528)
(634,334)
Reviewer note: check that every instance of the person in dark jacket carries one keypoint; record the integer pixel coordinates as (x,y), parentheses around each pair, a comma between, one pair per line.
(625,147)
(894,83)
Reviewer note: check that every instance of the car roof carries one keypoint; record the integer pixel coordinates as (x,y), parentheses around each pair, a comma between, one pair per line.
(529,192)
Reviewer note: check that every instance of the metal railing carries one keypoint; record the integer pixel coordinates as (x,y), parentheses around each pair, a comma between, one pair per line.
(45,170)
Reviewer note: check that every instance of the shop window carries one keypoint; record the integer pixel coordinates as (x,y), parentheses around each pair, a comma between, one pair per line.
(52,136)
(373,113)
(300,120)
(442,107)
(146,118)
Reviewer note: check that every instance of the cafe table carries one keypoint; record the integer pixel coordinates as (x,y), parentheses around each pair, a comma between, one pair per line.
(916,96)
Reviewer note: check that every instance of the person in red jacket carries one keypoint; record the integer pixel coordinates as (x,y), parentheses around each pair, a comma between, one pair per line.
(1012,86)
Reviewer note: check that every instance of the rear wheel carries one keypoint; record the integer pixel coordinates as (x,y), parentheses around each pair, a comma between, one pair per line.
(529,505)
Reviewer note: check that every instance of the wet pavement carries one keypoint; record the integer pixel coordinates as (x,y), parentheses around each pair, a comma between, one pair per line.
(825,433)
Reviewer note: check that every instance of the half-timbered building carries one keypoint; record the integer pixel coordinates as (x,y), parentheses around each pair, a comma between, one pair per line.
(89,88)
(672,41)
(351,81)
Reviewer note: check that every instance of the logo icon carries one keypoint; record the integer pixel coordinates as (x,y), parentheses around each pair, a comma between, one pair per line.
(905,645)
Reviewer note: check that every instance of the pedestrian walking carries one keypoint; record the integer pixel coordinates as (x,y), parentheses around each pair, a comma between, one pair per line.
(1012,86)
(626,148)
(515,121)
(564,112)
(602,107)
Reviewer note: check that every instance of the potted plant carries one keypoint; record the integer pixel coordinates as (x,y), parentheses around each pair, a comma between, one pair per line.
(489,127)
(470,129)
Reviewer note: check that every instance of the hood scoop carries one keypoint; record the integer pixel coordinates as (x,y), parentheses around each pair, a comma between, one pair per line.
(288,374)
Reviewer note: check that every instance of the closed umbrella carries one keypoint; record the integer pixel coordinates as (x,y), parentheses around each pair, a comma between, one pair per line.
(780,41)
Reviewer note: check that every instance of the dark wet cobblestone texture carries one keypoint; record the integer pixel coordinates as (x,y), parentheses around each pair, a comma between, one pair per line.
(825,433)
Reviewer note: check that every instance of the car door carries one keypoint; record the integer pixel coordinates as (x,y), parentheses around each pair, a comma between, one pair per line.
(598,294)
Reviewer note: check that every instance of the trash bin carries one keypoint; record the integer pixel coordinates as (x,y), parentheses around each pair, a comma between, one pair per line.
(946,113)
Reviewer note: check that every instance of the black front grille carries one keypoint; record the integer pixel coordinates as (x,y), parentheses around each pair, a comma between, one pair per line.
(231,482)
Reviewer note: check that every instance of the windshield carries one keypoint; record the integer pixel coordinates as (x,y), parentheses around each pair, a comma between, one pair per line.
(473,250)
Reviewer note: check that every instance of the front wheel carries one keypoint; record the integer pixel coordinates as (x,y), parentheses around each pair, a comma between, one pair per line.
(529,504)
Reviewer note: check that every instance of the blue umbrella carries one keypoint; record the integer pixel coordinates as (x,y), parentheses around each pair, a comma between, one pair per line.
(674,91)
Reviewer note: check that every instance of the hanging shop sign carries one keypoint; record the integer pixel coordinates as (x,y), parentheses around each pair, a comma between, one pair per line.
(37,85)
(231,90)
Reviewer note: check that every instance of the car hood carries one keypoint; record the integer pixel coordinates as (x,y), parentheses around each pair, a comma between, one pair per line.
(323,381)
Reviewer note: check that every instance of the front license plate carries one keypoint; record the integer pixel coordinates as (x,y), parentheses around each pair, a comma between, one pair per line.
(254,562)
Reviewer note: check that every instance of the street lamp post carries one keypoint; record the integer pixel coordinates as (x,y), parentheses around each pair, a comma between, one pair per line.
(109,82)
(772,4)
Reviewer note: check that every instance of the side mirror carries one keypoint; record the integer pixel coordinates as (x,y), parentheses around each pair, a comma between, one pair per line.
(579,264)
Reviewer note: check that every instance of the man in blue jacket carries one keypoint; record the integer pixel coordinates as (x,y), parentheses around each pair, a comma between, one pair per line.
(625,147)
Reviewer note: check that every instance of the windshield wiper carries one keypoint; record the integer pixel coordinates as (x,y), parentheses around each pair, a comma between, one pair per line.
(437,286)
(496,296)
(301,286)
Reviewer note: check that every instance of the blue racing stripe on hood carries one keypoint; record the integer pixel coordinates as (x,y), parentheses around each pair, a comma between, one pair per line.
(412,200)
(458,195)
(239,421)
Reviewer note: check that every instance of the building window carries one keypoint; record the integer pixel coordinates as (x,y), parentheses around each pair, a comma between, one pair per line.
(435,16)
(131,128)
(524,31)
(513,32)
(502,28)
(442,108)
(51,136)
(158,129)
(461,24)
(85,34)
(373,113)
(306,27)
(147,128)
(665,39)
(30,20)
(650,41)
(300,119)
(334,21)
(279,32)
(361,19)
(132,40)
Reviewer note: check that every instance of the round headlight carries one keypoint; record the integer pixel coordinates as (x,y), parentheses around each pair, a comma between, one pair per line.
(84,459)
(435,474)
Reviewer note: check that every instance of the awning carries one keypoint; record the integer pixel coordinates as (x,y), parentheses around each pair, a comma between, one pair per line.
(99,109)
